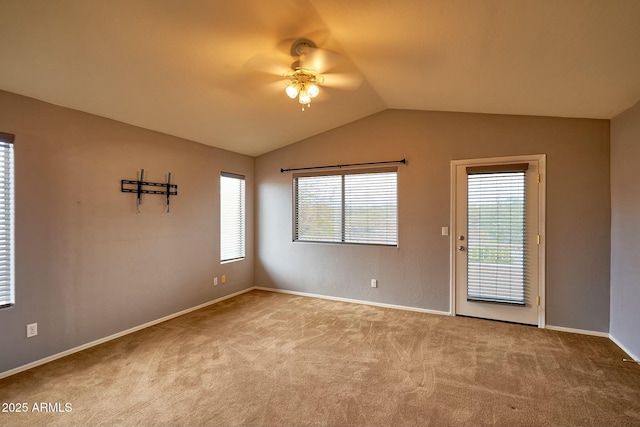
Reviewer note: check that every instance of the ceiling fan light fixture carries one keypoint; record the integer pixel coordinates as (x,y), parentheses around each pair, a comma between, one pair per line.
(303,85)
(304,97)
(313,90)
(292,90)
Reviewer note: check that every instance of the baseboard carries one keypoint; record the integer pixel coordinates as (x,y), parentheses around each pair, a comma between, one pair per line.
(442,313)
(355,301)
(623,348)
(283,291)
(117,335)
(424,310)
(577,331)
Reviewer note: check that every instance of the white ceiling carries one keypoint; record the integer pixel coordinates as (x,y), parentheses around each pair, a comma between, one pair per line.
(193,68)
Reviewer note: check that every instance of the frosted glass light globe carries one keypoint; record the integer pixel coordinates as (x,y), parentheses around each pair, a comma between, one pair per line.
(292,91)
(313,90)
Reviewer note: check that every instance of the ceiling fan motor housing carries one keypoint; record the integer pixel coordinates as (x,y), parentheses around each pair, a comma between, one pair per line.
(299,46)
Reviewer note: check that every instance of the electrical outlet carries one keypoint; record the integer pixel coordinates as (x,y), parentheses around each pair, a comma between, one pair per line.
(32,330)
(374,283)
(215,281)
(224,278)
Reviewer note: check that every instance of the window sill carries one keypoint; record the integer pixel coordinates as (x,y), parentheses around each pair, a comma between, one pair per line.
(229,261)
(316,242)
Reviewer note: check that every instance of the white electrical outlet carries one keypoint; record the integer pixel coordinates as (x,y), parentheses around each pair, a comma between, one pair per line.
(374,283)
(32,330)
(215,281)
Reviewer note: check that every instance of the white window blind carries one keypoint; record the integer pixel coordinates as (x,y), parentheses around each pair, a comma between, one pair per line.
(7,217)
(232,217)
(496,237)
(347,207)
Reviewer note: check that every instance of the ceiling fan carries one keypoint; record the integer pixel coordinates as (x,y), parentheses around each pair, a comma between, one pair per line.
(310,71)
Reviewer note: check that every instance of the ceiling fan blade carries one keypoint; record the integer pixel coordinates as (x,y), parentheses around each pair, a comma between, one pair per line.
(320,60)
(277,65)
(348,81)
(275,87)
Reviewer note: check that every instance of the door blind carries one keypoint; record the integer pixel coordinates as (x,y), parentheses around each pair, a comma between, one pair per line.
(232,217)
(7,252)
(496,236)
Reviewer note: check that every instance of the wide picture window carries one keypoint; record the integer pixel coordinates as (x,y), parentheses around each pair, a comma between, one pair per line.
(359,207)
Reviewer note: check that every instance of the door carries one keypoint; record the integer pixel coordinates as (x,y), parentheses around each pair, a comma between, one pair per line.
(497,238)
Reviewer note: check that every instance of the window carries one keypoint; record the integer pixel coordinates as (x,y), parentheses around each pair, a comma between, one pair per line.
(231,217)
(347,207)
(7,217)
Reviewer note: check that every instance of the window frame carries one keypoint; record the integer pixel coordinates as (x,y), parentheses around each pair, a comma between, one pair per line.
(343,173)
(7,143)
(243,214)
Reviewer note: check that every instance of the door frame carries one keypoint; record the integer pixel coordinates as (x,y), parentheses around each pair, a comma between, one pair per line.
(542,208)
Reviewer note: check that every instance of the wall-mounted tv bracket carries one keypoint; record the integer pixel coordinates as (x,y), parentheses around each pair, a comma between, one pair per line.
(138,187)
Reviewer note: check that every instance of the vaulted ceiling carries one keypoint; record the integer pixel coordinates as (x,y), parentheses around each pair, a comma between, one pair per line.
(197,68)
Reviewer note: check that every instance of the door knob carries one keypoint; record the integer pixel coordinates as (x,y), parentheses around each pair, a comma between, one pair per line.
(461,248)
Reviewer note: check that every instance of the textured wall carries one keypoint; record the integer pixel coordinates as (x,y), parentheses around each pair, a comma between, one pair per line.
(416,273)
(625,229)
(87,265)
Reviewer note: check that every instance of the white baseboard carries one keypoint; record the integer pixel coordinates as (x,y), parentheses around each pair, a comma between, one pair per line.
(626,350)
(577,331)
(283,291)
(443,313)
(116,335)
(355,301)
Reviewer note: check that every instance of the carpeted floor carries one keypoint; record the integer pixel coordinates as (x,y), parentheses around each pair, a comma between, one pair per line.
(268,359)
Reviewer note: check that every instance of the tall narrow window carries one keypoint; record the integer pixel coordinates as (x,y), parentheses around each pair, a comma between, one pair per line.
(232,215)
(347,207)
(7,219)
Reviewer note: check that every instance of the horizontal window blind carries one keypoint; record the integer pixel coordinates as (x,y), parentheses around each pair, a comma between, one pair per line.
(371,208)
(318,216)
(232,217)
(7,253)
(347,207)
(496,236)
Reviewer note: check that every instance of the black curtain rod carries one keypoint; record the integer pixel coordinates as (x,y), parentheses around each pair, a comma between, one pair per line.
(403,161)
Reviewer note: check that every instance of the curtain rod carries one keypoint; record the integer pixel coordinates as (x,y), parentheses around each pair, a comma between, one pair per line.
(403,161)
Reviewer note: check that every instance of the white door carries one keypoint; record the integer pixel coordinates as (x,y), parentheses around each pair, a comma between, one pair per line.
(497,239)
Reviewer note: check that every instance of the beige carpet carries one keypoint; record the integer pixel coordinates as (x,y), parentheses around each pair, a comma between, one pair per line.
(268,359)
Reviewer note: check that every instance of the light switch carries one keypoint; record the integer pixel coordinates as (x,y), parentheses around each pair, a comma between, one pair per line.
(445,231)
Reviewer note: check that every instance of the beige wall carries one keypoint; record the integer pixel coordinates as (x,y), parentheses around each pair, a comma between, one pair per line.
(87,265)
(625,229)
(416,274)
